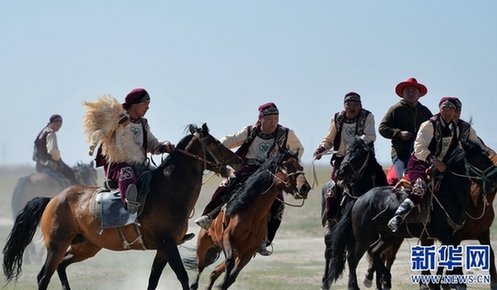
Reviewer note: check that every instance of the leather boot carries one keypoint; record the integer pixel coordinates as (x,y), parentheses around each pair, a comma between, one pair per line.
(402,211)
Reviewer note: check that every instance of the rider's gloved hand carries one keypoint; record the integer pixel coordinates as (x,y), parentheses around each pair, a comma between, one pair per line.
(318,153)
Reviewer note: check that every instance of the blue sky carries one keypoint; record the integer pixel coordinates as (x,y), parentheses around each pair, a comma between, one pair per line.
(217,61)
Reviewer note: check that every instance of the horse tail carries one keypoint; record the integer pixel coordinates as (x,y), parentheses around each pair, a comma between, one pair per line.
(17,201)
(21,236)
(210,257)
(342,243)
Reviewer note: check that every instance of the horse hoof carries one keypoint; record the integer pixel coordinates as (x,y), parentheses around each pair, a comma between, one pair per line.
(368,283)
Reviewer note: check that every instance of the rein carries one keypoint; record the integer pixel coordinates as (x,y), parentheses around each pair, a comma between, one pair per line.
(287,184)
(480,175)
(204,148)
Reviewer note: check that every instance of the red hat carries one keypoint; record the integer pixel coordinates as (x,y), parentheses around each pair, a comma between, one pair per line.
(55,118)
(411,82)
(136,96)
(268,109)
(448,102)
(352,96)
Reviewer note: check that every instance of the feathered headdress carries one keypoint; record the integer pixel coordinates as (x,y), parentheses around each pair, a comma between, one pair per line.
(101,120)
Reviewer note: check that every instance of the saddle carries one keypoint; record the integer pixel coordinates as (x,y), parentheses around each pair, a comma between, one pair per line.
(107,206)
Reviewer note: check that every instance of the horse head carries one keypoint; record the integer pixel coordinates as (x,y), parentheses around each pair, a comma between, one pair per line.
(355,162)
(478,167)
(216,155)
(290,176)
(86,174)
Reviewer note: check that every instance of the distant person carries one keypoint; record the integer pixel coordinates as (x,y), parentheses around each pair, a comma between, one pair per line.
(256,143)
(124,156)
(47,155)
(402,120)
(354,121)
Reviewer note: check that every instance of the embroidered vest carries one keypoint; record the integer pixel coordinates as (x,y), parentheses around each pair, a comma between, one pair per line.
(40,153)
(359,128)
(435,145)
(281,136)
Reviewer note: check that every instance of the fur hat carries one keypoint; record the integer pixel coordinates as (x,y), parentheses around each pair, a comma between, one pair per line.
(268,109)
(411,82)
(136,96)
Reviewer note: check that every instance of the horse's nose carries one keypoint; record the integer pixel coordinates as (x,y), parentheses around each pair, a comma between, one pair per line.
(304,190)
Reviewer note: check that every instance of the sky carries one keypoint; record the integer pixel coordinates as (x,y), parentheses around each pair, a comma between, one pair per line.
(215,62)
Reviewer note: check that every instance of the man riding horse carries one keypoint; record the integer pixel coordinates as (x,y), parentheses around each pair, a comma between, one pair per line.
(47,155)
(434,143)
(124,154)
(256,144)
(354,121)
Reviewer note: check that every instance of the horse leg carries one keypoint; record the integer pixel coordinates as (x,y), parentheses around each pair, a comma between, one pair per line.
(169,253)
(229,263)
(368,279)
(158,265)
(215,274)
(326,281)
(484,239)
(56,249)
(204,243)
(77,253)
(353,260)
(240,263)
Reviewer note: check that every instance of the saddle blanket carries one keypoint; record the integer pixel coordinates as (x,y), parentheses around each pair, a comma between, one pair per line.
(108,207)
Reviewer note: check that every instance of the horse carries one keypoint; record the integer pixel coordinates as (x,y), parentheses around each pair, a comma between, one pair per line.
(357,175)
(480,213)
(70,230)
(240,228)
(358,230)
(42,184)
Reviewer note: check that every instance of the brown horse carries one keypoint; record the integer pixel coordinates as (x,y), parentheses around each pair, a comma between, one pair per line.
(242,226)
(42,184)
(70,230)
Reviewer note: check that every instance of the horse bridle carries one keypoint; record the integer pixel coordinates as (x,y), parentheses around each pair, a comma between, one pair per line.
(287,183)
(205,148)
(358,173)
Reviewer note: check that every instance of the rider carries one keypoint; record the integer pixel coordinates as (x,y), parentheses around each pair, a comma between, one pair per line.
(47,155)
(126,157)
(402,121)
(435,141)
(354,121)
(256,144)
(466,132)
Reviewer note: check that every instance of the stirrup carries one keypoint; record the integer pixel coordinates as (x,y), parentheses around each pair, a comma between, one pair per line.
(262,249)
(395,223)
(132,199)
(204,222)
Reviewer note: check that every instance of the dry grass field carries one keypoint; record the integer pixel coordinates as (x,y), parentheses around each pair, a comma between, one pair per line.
(297,261)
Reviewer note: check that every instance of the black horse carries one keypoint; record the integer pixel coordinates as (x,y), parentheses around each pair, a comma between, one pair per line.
(357,175)
(358,230)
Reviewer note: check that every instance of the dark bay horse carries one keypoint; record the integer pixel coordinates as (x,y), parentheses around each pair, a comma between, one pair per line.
(358,230)
(242,226)
(357,175)
(480,216)
(41,184)
(70,230)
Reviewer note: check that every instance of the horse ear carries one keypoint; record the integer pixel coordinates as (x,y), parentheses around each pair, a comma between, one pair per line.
(191,128)
(205,129)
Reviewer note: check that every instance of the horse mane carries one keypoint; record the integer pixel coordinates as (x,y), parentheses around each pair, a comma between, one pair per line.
(181,145)
(259,181)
